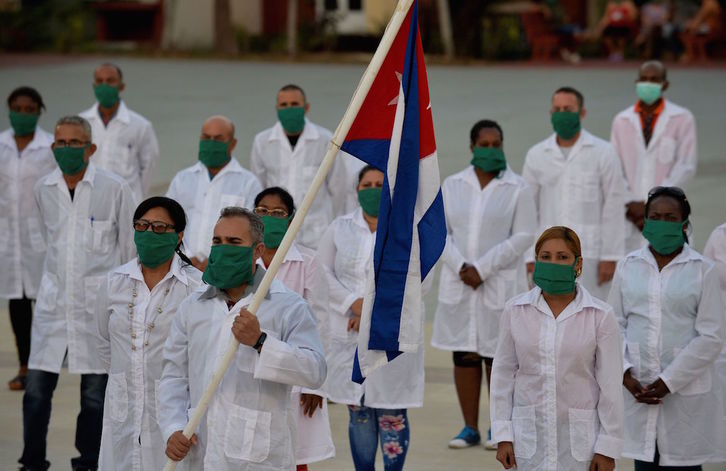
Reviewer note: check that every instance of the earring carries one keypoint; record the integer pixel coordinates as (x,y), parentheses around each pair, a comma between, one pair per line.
(578,273)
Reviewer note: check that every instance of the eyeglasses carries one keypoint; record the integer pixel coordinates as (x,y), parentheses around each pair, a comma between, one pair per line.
(142,225)
(275,213)
(71,143)
(667,190)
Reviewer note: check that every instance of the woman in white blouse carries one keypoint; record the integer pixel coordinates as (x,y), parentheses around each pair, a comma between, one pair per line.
(556,398)
(668,303)
(135,307)
(301,273)
(378,407)
(490,219)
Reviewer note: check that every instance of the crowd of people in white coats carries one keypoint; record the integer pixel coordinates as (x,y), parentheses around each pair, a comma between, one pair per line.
(572,288)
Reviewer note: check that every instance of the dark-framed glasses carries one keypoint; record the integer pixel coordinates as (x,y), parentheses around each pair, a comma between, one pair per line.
(72,143)
(142,225)
(275,213)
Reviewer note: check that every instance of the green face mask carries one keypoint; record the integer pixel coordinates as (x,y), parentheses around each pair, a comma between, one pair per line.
(489,159)
(554,278)
(275,229)
(23,124)
(155,249)
(370,200)
(229,266)
(566,123)
(648,92)
(664,236)
(292,119)
(107,95)
(213,154)
(70,159)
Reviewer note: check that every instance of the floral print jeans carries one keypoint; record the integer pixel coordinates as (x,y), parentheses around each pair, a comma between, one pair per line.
(366,425)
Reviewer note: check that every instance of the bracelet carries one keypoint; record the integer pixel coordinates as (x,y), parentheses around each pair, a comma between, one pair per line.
(260,341)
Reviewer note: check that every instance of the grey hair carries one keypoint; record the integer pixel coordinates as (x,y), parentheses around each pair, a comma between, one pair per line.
(76,121)
(257,228)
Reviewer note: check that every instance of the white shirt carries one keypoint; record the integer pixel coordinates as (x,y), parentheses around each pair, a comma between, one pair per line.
(669,159)
(21,239)
(489,228)
(276,163)
(249,424)
(301,273)
(127,146)
(716,250)
(203,200)
(584,192)
(556,382)
(131,438)
(672,325)
(86,238)
(346,253)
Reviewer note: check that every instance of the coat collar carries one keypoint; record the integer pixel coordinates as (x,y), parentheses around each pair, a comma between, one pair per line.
(292,255)
(132,269)
(233,166)
(585,140)
(506,177)
(122,114)
(686,255)
(670,110)
(56,176)
(583,300)
(41,139)
(310,132)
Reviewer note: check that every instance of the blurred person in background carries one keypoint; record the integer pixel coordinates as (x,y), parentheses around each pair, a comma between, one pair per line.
(703,28)
(618,25)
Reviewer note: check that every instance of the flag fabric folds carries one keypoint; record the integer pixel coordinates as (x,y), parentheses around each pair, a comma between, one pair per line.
(394,132)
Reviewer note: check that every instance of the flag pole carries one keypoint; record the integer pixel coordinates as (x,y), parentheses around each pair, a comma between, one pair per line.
(341,132)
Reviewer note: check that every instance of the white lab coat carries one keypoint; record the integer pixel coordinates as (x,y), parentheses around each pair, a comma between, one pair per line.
(21,239)
(669,159)
(127,146)
(556,382)
(131,438)
(301,273)
(672,325)
(276,164)
(86,238)
(490,228)
(584,192)
(203,200)
(346,254)
(250,423)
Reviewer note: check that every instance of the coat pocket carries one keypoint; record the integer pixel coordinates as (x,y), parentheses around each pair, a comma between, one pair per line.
(583,423)
(229,200)
(99,237)
(451,288)
(700,385)
(47,293)
(118,397)
(247,434)
(525,431)
(666,152)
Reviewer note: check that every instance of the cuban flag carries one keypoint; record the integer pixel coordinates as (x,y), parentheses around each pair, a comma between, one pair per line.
(394,132)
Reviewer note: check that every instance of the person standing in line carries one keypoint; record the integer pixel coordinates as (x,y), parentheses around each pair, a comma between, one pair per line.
(136,304)
(577,181)
(656,142)
(126,141)
(25,157)
(289,154)
(301,273)
(668,303)
(217,181)
(557,402)
(491,221)
(86,222)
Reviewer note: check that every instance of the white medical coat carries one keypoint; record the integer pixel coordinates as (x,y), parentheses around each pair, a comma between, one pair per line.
(346,254)
(489,228)
(203,200)
(21,238)
(250,423)
(556,382)
(669,159)
(276,163)
(131,438)
(127,146)
(672,325)
(86,238)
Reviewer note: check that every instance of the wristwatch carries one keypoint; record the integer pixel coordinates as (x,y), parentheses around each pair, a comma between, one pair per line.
(260,342)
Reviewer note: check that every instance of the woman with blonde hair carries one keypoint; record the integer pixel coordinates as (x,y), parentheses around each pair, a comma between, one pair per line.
(556,395)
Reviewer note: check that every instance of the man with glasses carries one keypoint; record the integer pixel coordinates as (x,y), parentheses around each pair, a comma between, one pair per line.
(86,222)
(126,140)
(656,142)
(215,182)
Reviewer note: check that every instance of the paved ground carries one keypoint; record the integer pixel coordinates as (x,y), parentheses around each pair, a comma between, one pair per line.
(176,95)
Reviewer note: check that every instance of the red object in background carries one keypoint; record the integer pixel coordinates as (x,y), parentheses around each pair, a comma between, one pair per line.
(129,21)
(274,15)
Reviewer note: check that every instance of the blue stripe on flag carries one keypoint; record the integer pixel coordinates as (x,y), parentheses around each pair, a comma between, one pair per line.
(432,224)
(372,151)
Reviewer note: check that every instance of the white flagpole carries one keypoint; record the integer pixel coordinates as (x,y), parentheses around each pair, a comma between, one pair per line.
(341,132)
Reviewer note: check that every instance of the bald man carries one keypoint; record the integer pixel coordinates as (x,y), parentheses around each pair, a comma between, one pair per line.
(126,141)
(215,182)
(656,142)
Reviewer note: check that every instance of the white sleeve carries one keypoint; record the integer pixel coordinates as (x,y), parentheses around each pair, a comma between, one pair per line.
(529,175)
(257,163)
(609,377)
(612,223)
(148,156)
(174,191)
(337,183)
(253,189)
(618,146)
(686,162)
(340,297)
(316,294)
(451,255)
(125,217)
(615,300)
(103,337)
(502,391)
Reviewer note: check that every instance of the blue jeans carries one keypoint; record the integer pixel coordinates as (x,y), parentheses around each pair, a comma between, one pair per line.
(366,425)
(39,388)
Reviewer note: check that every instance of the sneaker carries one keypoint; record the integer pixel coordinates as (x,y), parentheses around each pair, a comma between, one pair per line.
(466,438)
(489,444)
